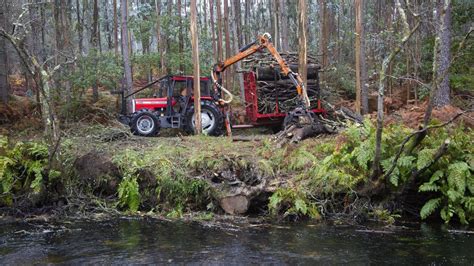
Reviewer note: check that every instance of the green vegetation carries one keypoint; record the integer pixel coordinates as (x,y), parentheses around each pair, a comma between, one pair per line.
(288,202)
(174,192)
(342,166)
(316,178)
(23,170)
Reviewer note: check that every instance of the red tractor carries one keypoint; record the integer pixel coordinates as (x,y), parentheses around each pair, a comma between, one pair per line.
(173,107)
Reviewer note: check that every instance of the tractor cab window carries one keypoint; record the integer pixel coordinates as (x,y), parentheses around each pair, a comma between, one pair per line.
(205,87)
(162,90)
(181,88)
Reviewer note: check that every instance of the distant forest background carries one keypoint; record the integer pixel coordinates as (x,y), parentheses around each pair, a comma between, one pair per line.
(88,33)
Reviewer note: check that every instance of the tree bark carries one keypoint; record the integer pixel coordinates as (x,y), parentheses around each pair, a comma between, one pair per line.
(4,83)
(220,52)
(442,94)
(324,33)
(284,25)
(95,45)
(358,29)
(247,22)
(238,23)
(80,27)
(302,23)
(230,72)
(236,45)
(362,98)
(213,32)
(180,36)
(276,25)
(116,39)
(126,55)
(197,78)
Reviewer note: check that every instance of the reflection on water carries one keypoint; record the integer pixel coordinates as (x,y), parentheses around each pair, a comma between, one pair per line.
(150,241)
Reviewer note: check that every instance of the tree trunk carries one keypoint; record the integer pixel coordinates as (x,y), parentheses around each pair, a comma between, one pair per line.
(442,94)
(161,47)
(108,32)
(238,24)
(237,44)
(126,55)
(247,22)
(362,101)
(213,32)
(284,25)
(407,33)
(276,25)
(80,27)
(181,37)
(220,52)
(358,19)
(116,39)
(230,72)
(302,24)
(43,79)
(324,41)
(169,12)
(4,83)
(95,44)
(197,78)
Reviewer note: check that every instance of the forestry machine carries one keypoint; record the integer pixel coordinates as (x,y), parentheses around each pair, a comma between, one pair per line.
(173,106)
(302,114)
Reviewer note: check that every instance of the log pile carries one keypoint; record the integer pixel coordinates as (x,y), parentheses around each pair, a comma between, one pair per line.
(265,59)
(274,88)
(283,93)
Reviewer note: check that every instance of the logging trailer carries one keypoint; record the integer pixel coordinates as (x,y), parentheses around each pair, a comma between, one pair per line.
(172,106)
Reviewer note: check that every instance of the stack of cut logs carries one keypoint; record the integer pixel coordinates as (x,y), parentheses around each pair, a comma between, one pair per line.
(274,87)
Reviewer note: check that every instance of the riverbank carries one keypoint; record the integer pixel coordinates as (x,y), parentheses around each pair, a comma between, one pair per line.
(105,171)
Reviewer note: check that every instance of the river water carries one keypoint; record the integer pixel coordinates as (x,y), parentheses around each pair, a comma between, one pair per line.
(124,241)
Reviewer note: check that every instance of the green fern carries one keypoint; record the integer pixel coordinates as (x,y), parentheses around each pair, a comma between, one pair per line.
(469,204)
(458,172)
(425,157)
(428,187)
(128,193)
(429,207)
(301,159)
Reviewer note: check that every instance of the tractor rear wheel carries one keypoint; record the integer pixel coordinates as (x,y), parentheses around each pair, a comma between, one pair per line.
(212,119)
(145,123)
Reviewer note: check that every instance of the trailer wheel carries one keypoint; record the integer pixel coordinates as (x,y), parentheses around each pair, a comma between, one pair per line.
(211,117)
(145,123)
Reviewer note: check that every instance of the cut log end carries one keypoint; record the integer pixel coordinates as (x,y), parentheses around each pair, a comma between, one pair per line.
(235,205)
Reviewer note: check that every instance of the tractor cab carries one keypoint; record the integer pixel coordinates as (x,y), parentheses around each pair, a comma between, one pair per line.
(171,105)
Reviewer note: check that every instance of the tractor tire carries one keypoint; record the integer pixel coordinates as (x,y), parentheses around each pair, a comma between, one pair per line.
(145,123)
(212,119)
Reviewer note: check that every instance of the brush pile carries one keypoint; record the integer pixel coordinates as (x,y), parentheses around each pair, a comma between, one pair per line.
(265,59)
(282,93)
(276,93)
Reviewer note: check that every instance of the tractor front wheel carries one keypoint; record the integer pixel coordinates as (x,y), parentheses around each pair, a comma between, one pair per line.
(145,123)
(212,119)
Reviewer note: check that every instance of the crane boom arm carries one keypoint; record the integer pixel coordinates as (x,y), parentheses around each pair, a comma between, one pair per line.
(263,41)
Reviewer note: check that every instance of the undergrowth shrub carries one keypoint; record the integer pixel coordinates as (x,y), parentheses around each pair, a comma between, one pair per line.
(23,168)
(175,191)
(343,165)
(292,203)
